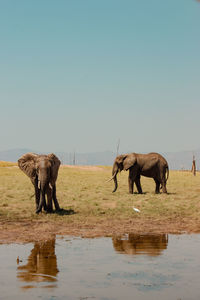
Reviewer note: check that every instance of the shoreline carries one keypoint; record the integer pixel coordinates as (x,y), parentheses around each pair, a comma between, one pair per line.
(39,230)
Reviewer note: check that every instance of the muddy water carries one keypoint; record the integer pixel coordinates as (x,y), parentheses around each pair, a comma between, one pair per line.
(126,267)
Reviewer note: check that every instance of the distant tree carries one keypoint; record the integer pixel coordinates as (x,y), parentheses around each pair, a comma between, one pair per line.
(118,143)
(74,158)
(193,166)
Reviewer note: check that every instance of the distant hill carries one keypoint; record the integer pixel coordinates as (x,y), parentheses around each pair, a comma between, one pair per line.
(13,154)
(105,158)
(96,158)
(176,160)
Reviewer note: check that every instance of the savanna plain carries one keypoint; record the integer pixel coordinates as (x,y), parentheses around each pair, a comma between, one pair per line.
(90,209)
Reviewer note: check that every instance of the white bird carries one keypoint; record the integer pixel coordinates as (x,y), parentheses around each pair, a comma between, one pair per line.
(136,209)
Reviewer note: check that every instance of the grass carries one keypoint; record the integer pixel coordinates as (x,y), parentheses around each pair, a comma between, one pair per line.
(7,164)
(86,192)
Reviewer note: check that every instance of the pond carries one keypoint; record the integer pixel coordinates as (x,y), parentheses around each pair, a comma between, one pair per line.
(123,267)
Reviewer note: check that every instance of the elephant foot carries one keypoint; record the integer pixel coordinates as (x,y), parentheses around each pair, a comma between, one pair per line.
(57,206)
(38,209)
(59,209)
(140,191)
(49,209)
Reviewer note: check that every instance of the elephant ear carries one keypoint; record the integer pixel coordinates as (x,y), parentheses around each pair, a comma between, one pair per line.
(27,164)
(129,161)
(55,164)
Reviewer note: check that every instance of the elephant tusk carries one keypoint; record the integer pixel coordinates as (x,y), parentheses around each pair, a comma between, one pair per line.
(112,177)
(38,184)
(50,185)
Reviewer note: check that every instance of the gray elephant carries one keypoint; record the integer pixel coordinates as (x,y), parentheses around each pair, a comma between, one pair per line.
(43,172)
(151,165)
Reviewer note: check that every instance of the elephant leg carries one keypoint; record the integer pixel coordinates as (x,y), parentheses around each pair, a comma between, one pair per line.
(37,193)
(49,199)
(130,184)
(138,185)
(42,202)
(164,189)
(131,179)
(37,198)
(57,207)
(163,181)
(157,190)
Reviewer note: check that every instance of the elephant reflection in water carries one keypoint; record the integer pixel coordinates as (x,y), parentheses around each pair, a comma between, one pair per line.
(42,264)
(133,244)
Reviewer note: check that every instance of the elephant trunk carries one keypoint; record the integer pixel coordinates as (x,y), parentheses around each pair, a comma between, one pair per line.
(42,202)
(114,176)
(43,181)
(116,184)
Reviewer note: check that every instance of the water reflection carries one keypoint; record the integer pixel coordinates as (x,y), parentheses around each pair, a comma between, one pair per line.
(133,244)
(41,265)
(101,269)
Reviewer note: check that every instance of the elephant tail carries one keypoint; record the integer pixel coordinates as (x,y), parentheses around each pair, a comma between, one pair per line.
(167,171)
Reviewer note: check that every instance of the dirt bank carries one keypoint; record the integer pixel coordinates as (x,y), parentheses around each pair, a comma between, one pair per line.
(37,230)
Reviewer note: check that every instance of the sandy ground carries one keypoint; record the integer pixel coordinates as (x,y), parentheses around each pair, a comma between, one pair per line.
(30,231)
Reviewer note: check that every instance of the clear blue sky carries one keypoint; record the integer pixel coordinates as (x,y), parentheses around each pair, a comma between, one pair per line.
(80,74)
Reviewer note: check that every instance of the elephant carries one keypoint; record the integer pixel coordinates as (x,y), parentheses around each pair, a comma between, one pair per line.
(43,171)
(151,165)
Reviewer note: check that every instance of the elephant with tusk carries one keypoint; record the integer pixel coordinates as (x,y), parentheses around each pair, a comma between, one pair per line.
(151,165)
(43,172)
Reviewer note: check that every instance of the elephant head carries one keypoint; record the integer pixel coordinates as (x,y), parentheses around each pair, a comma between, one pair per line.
(43,172)
(122,162)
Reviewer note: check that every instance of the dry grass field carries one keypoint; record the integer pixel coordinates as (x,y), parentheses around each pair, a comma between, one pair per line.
(91,209)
